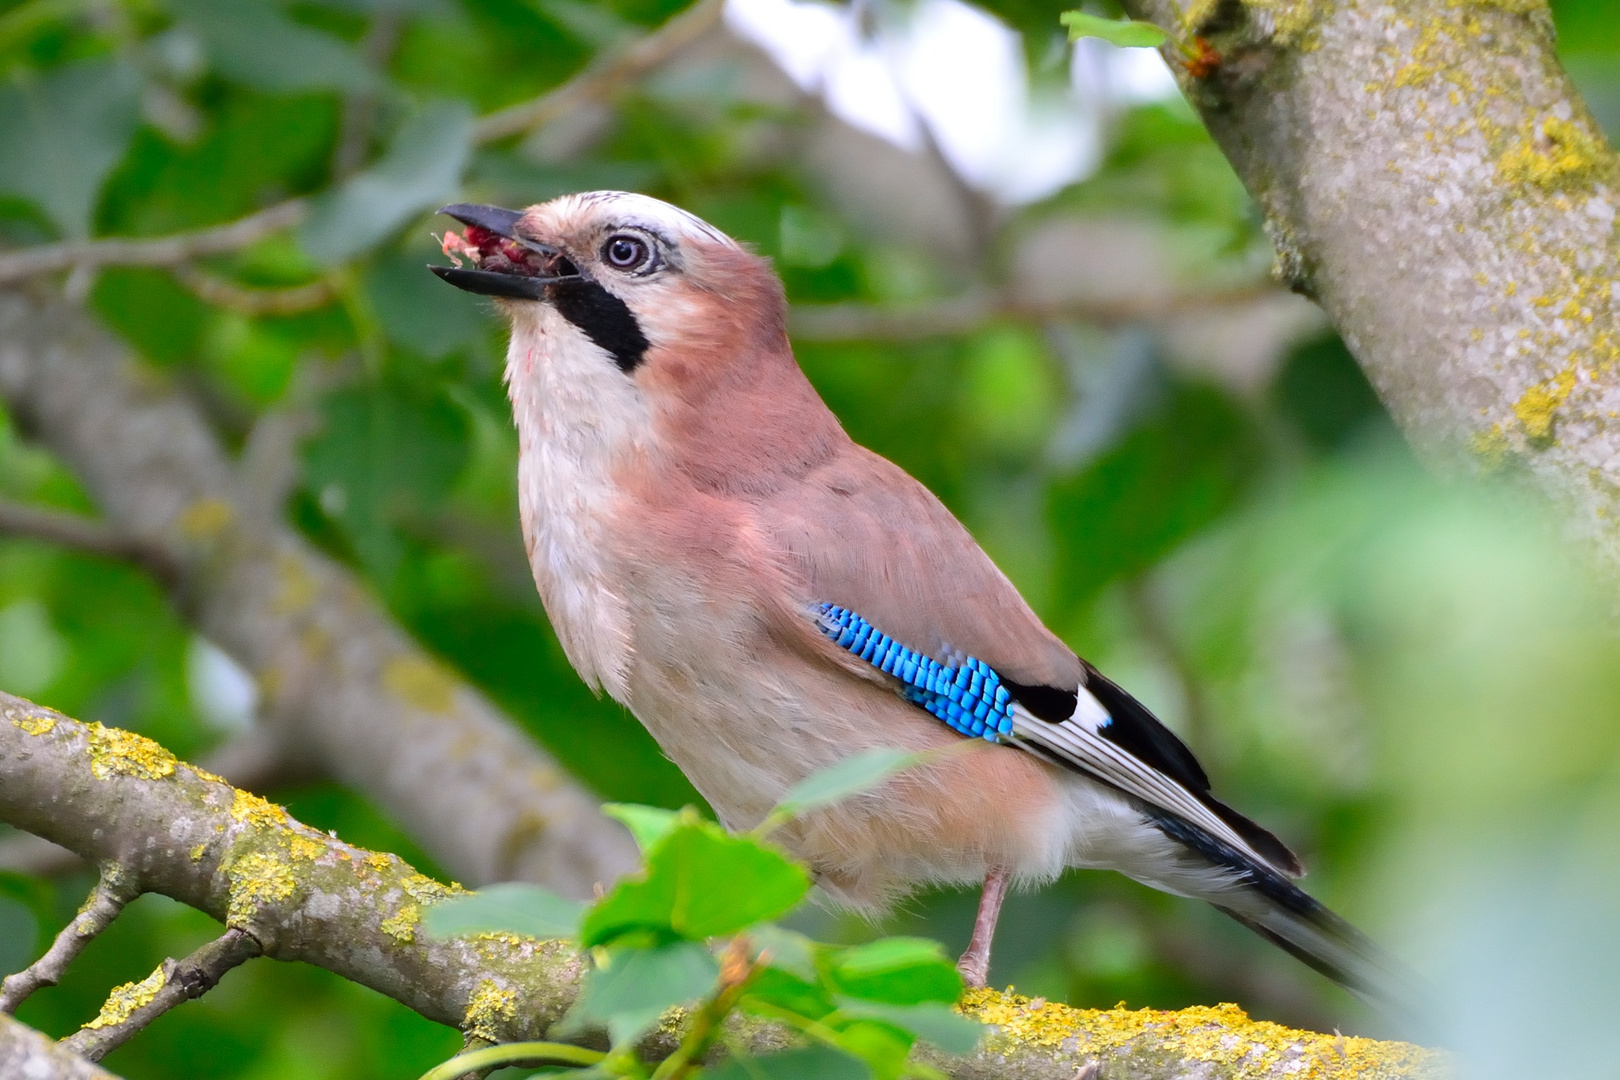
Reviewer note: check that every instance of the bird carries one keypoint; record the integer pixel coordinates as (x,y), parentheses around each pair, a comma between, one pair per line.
(769,598)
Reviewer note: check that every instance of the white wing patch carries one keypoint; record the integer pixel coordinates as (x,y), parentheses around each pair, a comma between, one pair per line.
(1089,712)
(1076,741)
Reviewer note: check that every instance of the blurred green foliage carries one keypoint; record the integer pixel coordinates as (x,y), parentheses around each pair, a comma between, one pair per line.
(1355,652)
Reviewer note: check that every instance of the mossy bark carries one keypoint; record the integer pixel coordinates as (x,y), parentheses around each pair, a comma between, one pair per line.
(119,799)
(1430,175)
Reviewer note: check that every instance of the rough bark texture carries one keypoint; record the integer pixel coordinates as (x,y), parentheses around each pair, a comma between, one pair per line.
(1430,175)
(25,1054)
(118,798)
(341,682)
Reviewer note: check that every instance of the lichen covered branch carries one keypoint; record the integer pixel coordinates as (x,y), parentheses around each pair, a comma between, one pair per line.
(113,890)
(1430,175)
(340,681)
(26,1053)
(303,895)
(129,1008)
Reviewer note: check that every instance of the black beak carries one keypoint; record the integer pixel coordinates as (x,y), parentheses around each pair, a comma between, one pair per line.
(511,286)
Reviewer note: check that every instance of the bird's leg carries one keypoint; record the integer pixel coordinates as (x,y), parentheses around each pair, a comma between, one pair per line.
(975,963)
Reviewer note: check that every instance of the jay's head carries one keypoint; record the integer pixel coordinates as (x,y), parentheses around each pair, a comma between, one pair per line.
(668,298)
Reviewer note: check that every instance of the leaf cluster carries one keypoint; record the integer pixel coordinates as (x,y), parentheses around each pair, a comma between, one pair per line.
(698,929)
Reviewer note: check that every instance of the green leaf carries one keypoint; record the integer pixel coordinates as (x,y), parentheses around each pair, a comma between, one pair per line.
(512,908)
(1126,33)
(810,1063)
(699,882)
(897,970)
(773,990)
(932,1021)
(61,135)
(386,453)
(648,824)
(849,777)
(629,992)
(251,42)
(421,169)
(417,313)
(880,1044)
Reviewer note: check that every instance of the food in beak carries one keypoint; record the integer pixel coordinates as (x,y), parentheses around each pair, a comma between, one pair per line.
(496,254)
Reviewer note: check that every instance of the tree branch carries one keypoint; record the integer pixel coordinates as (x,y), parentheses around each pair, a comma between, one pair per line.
(1429,173)
(131,1007)
(26,1053)
(340,680)
(222,293)
(304,895)
(83,534)
(966,313)
(604,76)
(19,266)
(113,890)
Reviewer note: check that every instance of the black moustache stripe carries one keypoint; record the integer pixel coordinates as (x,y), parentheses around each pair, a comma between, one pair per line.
(604,318)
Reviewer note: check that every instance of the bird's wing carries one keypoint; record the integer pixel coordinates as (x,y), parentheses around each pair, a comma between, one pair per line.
(903,592)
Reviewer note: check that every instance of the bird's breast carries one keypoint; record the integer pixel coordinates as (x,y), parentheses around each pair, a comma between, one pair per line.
(581,424)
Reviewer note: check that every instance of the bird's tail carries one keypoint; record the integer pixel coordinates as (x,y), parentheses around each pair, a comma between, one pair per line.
(1264,899)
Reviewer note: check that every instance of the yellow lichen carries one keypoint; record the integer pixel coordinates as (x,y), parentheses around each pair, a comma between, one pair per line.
(303,847)
(114,752)
(205,518)
(257,878)
(423,888)
(124,1000)
(34,725)
(420,682)
(378,861)
(298,588)
(1491,446)
(198,852)
(1537,407)
(1554,154)
(204,774)
(489,1010)
(1221,1035)
(401,926)
(250,809)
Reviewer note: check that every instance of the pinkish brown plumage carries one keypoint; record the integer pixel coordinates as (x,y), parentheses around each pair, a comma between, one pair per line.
(691,507)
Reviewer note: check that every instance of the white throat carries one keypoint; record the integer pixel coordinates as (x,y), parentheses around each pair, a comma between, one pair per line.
(579,420)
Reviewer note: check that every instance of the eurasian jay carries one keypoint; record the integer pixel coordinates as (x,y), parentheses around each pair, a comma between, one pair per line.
(768,597)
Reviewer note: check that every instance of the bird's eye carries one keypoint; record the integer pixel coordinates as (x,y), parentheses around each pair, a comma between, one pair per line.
(626,253)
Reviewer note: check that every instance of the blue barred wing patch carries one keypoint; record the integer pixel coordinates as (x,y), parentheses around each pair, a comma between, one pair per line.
(967,695)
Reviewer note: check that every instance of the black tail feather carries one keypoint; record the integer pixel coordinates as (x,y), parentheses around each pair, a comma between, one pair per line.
(1297,922)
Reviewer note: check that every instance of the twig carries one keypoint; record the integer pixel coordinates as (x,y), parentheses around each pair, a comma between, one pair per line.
(159,251)
(239,298)
(84,535)
(966,313)
(132,1006)
(604,76)
(113,890)
(25,1052)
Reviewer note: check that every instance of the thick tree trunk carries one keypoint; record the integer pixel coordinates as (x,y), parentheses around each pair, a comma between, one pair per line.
(1430,175)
